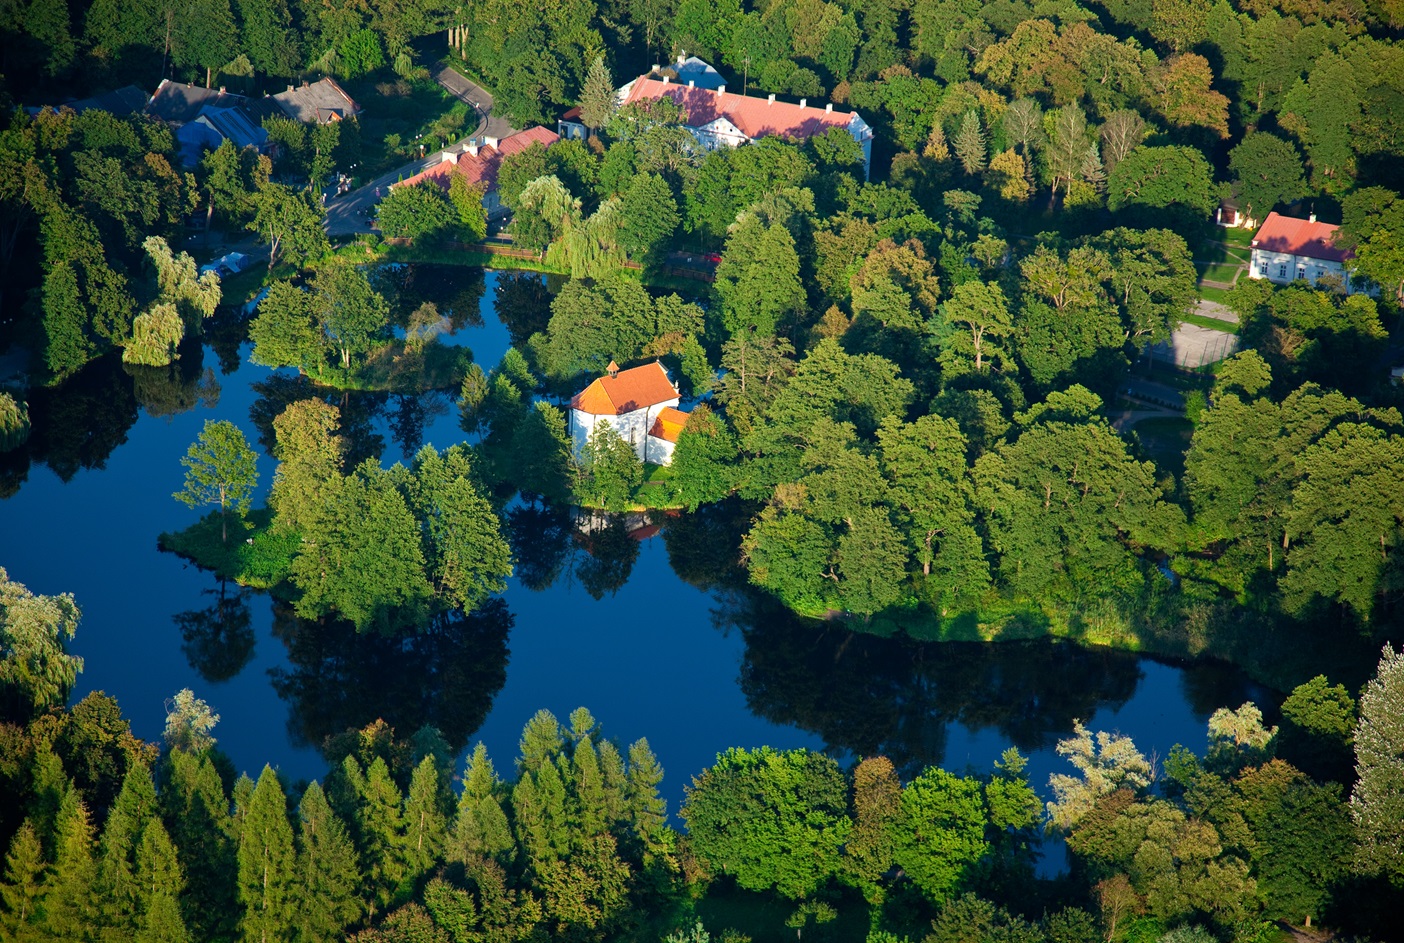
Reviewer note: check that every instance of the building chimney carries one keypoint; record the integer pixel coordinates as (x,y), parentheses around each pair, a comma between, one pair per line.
(1311,217)
(448,158)
(829,108)
(665,80)
(490,142)
(290,88)
(470,149)
(691,83)
(771,101)
(656,68)
(682,56)
(221,89)
(721,90)
(803,102)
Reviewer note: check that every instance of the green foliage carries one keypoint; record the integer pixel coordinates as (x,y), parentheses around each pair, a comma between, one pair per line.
(1110,763)
(771,819)
(1268,171)
(189,721)
(267,864)
(423,211)
(1375,802)
(609,471)
(220,468)
(940,836)
(35,668)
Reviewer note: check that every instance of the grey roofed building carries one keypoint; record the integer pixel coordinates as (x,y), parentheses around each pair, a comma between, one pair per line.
(205,117)
(123,101)
(319,102)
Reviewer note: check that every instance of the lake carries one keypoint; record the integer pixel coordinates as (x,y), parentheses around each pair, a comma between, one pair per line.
(649,630)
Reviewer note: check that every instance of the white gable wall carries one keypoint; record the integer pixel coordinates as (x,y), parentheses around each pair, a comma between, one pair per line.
(632,427)
(1283,268)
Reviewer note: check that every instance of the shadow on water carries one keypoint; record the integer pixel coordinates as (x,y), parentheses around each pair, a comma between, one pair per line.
(219,639)
(445,676)
(865,695)
(359,413)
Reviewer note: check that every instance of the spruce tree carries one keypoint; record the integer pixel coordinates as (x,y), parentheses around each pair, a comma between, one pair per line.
(123,902)
(327,872)
(648,812)
(22,890)
(616,783)
(597,95)
(195,811)
(68,901)
(424,819)
(480,827)
(266,863)
(159,877)
(380,827)
(542,740)
(970,143)
(589,811)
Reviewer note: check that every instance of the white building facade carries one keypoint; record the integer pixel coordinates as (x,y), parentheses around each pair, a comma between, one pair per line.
(1288,249)
(630,402)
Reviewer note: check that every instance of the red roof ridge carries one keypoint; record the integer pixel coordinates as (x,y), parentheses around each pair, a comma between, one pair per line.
(1293,235)
(628,390)
(754,117)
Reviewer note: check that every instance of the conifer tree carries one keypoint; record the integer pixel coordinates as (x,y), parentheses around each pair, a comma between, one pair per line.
(327,872)
(970,143)
(380,827)
(648,812)
(616,783)
(123,902)
(68,900)
(480,827)
(542,740)
(589,807)
(424,820)
(597,95)
(195,811)
(266,863)
(159,878)
(21,892)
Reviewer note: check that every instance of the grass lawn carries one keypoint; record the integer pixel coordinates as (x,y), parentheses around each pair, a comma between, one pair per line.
(1213,294)
(1224,272)
(253,555)
(1213,324)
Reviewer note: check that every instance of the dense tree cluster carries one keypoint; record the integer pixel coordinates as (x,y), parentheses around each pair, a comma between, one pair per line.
(109,836)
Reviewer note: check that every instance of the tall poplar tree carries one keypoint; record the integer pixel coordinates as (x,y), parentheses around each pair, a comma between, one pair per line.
(267,872)
(597,96)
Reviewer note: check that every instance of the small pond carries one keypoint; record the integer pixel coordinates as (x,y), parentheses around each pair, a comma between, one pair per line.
(642,629)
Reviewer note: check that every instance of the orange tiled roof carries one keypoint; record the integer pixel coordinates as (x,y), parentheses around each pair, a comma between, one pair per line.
(1300,237)
(669,424)
(626,391)
(481,169)
(755,117)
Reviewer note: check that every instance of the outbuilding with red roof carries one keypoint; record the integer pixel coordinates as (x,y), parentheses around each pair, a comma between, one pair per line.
(478,161)
(1288,249)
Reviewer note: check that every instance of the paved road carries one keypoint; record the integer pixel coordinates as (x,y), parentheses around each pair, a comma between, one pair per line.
(346,215)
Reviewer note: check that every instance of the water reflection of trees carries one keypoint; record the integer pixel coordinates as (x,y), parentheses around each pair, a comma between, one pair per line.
(597,549)
(522,301)
(457,291)
(445,676)
(867,695)
(411,413)
(359,410)
(78,424)
(178,387)
(541,536)
(218,639)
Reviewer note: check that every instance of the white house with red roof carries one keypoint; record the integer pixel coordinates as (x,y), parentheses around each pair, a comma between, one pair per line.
(640,404)
(720,118)
(478,161)
(1288,249)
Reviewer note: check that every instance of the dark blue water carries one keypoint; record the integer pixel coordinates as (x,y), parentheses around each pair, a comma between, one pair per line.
(696,665)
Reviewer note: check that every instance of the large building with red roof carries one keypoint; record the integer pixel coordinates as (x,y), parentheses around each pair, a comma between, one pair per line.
(478,161)
(640,404)
(720,118)
(1288,249)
